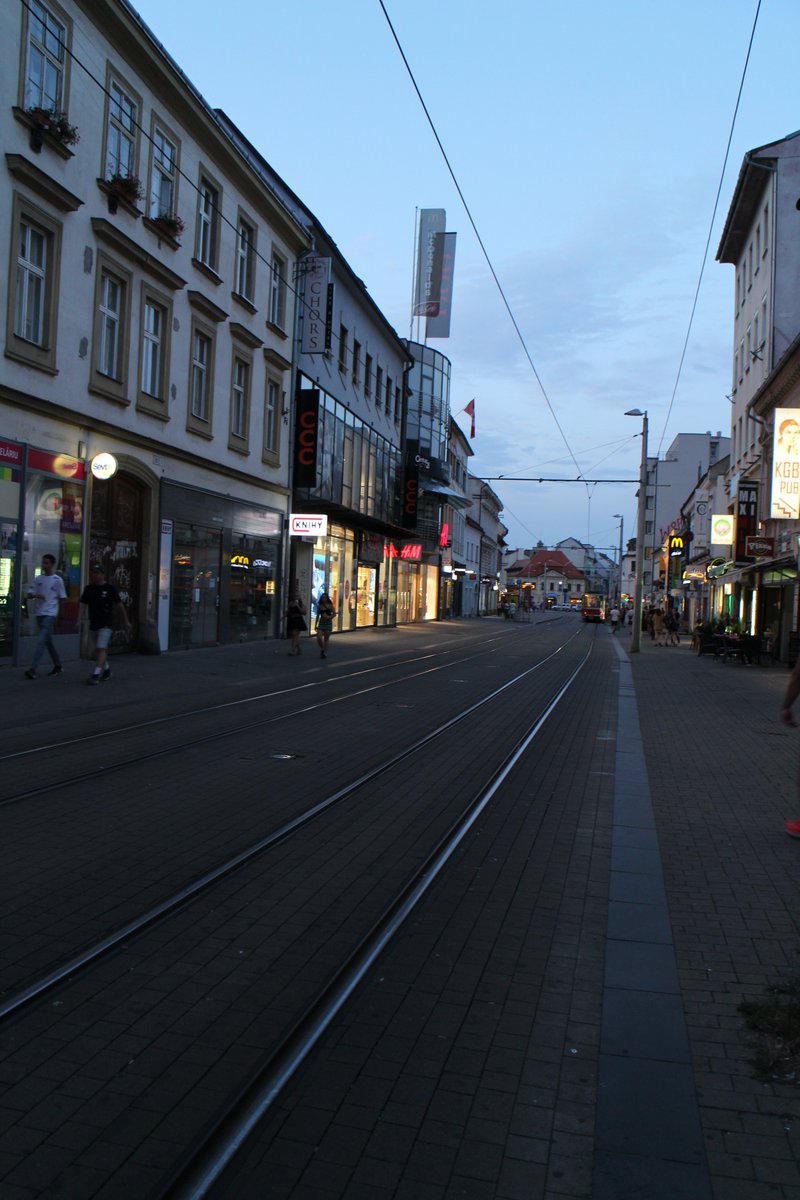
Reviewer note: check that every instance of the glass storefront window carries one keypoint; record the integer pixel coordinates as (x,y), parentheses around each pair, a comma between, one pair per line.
(253,572)
(53,525)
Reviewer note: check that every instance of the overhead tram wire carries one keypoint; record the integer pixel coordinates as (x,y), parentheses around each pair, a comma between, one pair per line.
(479,238)
(710,230)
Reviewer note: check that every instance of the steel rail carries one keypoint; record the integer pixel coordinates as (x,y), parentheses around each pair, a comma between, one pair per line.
(194,1179)
(62,973)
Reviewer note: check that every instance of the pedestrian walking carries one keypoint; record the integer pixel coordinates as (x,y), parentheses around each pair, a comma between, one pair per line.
(47,591)
(790,695)
(101,602)
(671,629)
(295,621)
(659,633)
(614,618)
(324,623)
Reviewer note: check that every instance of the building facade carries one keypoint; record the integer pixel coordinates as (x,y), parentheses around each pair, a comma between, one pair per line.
(148,319)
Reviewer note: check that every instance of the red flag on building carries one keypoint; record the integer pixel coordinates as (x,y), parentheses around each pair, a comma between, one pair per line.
(470,410)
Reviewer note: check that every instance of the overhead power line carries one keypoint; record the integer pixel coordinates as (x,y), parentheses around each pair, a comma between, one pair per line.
(484,251)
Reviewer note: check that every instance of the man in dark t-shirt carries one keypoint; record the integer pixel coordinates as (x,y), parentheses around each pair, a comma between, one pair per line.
(101,601)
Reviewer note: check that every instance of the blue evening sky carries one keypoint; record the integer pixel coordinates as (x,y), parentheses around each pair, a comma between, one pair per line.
(588,140)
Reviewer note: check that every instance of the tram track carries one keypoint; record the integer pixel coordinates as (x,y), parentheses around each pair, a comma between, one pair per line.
(301,1034)
(10,1005)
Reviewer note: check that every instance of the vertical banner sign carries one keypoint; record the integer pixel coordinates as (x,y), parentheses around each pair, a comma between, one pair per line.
(410,495)
(746,519)
(439,326)
(429,263)
(329,319)
(305,438)
(315,305)
(785,497)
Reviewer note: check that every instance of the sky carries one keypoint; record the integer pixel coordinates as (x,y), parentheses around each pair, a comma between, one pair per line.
(588,141)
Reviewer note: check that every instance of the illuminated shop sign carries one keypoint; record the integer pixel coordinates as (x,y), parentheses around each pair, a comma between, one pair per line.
(411,550)
(722,529)
(308,525)
(785,496)
(104,466)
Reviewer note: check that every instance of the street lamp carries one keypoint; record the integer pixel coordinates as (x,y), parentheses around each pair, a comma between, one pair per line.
(641,510)
(619,564)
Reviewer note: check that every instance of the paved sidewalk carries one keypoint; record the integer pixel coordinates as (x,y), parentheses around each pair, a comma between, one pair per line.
(722,774)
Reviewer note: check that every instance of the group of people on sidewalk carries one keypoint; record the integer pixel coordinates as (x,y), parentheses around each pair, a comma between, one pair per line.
(296,624)
(100,604)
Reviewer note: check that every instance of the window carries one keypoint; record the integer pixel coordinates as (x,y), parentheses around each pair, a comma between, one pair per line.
(758,245)
(750,265)
(245,259)
(163,176)
(121,131)
(111,333)
(389,391)
(200,376)
(45,59)
(272,412)
(356,362)
(749,350)
(156,320)
(240,403)
(207,248)
(741,360)
(368,375)
(109,342)
(397,403)
(29,315)
(766,227)
(342,349)
(378,386)
(33,287)
(277,293)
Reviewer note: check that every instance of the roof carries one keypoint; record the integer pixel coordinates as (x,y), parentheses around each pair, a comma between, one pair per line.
(544,560)
(753,178)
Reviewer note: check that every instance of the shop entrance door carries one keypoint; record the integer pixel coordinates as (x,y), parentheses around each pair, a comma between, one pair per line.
(194,613)
(365,599)
(115,541)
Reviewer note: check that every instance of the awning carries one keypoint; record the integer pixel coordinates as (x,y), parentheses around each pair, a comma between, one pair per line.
(440,489)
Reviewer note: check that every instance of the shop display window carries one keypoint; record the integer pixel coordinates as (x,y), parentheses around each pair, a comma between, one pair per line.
(253,573)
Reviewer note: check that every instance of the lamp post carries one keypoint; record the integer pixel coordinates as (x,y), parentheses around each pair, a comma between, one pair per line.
(619,564)
(641,512)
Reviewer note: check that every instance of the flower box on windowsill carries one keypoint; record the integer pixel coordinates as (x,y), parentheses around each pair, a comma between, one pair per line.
(166,228)
(47,127)
(122,191)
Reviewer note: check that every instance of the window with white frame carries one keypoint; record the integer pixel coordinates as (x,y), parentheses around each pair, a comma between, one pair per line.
(109,341)
(200,377)
(272,413)
(153,332)
(32,305)
(44,59)
(31,283)
(111,329)
(207,247)
(163,176)
(240,400)
(245,259)
(121,131)
(277,293)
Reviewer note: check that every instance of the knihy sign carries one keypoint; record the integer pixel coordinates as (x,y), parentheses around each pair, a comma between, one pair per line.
(306,525)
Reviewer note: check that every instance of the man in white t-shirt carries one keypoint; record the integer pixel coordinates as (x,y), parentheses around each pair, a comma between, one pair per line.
(47,591)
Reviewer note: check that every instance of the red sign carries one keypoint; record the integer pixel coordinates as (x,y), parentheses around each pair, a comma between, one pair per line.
(10,454)
(305,443)
(63,465)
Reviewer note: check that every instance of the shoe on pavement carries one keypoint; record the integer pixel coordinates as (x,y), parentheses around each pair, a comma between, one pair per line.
(792,828)
(106,674)
(93,680)
(30,673)
(59,670)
